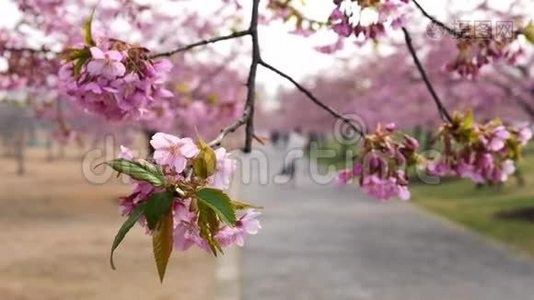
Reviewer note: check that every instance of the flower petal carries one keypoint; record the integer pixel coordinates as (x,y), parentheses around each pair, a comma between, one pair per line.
(179,164)
(96,53)
(189,150)
(114,55)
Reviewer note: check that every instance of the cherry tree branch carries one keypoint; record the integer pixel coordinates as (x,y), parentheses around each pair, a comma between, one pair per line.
(441,108)
(248,113)
(312,97)
(234,35)
(247,118)
(251,82)
(26,49)
(451,31)
(231,128)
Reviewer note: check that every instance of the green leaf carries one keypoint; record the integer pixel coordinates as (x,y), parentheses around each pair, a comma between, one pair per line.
(88,30)
(78,56)
(205,164)
(209,226)
(156,206)
(72,54)
(78,66)
(126,226)
(219,202)
(469,120)
(242,205)
(139,170)
(162,242)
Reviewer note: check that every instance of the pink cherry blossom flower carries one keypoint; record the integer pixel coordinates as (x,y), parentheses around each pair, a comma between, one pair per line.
(225,168)
(173,151)
(185,228)
(403,193)
(181,239)
(499,137)
(108,63)
(247,224)
(524,135)
(344,177)
(141,193)
(507,168)
(126,153)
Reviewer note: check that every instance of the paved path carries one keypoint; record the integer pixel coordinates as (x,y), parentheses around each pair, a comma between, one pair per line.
(328,243)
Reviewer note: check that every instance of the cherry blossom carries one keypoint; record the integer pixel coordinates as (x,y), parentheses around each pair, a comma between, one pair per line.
(484,153)
(382,164)
(108,64)
(117,81)
(246,225)
(173,151)
(188,219)
(225,168)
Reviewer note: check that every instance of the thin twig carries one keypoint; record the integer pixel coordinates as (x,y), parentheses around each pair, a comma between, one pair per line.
(203,43)
(231,128)
(251,82)
(312,97)
(441,108)
(438,22)
(26,49)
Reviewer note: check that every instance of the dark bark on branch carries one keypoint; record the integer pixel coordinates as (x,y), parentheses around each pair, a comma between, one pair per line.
(230,129)
(203,43)
(441,108)
(312,97)
(251,82)
(247,117)
(437,22)
(30,50)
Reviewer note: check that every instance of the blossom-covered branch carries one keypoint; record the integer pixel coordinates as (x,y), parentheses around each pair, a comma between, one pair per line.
(441,108)
(314,99)
(234,35)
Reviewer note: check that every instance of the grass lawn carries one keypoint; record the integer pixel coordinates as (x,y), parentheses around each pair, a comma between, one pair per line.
(480,209)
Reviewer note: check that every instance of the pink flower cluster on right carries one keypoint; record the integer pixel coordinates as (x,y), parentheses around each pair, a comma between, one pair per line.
(484,153)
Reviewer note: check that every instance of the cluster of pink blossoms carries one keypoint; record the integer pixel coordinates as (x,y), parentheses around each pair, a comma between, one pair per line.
(477,50)
(484,153)
(180,161)
(367,18)
(114,79)
(382,165)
